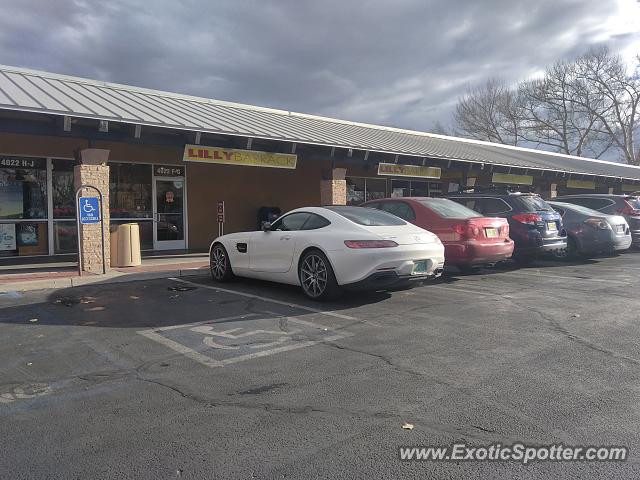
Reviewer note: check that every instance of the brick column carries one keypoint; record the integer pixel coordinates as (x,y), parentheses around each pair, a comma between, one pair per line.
(93,170)
(334,190)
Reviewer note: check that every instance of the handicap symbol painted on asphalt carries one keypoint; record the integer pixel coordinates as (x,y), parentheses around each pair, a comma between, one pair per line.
(232,335)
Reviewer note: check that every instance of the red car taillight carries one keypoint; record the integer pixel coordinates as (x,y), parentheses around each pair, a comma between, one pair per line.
(528,218)
(629,210)
(370,243)
(466,230)
(504,230)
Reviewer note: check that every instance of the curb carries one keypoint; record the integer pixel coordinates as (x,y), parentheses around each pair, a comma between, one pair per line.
(114,277)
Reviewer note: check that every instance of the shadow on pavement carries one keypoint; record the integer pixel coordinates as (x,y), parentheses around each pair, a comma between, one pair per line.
(165,302)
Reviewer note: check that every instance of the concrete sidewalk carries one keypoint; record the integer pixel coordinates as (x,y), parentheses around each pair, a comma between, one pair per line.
(67,276)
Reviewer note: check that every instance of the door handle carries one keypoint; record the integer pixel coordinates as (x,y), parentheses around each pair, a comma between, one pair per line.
(286,237)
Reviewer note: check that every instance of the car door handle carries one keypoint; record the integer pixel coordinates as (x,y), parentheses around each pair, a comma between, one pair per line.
(286,237)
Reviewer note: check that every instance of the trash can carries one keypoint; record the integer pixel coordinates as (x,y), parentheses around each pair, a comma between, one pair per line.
(125,245)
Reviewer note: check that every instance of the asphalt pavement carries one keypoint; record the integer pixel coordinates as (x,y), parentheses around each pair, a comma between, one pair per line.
(174,378)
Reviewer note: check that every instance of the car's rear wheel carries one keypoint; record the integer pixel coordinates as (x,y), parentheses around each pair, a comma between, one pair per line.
(316,276)
(219,264)
(572,249)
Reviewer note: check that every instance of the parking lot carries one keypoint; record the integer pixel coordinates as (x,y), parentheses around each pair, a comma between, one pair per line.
(174,378)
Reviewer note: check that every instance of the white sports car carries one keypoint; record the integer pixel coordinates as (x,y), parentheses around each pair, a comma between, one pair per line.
(327,249)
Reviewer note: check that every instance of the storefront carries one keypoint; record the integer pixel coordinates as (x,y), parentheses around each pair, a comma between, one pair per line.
(394,180)
(171,197)
(172,159)
(37,207)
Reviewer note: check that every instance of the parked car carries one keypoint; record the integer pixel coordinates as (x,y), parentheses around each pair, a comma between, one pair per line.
(469,238)
(328,249)
(533,225)
(590,232)
(626,205)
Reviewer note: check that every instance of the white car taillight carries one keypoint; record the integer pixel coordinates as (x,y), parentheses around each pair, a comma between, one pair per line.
(370,243)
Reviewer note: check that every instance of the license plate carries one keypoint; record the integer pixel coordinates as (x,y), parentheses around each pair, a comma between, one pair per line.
(490,232)
(551,226)
(420,267)
(619,228)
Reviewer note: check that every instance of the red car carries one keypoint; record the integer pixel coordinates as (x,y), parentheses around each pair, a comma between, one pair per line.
(469,239)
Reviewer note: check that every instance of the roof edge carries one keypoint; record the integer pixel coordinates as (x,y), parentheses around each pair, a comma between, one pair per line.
(162,93)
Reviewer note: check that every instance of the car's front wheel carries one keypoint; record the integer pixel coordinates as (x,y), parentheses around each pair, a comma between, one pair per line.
(316,276)
(219,264)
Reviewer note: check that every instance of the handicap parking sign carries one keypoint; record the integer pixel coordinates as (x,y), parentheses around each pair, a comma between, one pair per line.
(89,209)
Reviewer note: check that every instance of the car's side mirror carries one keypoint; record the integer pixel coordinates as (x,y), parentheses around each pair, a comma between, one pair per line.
(266,226)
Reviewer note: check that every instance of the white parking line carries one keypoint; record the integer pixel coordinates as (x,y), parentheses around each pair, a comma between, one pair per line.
(465,290)
(178,347)
(213,320)
(286,348)
(154,335)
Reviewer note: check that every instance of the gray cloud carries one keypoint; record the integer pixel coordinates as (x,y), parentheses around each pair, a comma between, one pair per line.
(402,63)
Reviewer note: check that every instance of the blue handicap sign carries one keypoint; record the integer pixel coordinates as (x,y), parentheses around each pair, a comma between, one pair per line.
(89,209)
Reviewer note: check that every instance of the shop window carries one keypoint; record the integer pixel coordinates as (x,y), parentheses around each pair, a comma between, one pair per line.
(435,189)
(376,188)
(23,238)
(355,191)
(23,193)
(400,188)
(65,237)
(419,189)
(63,190)
(361,189)
(130,190)
(23,196)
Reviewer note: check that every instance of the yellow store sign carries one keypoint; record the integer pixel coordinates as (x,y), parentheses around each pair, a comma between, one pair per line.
(586,184)
(398,170)
(512,179)
(247,158)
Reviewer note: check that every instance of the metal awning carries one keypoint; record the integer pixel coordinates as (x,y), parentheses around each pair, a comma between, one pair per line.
(33,91)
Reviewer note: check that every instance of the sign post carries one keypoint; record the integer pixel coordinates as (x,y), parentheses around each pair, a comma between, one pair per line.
(89,213)
(220,214)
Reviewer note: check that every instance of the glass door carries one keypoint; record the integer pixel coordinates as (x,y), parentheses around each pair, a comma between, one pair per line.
(168,214)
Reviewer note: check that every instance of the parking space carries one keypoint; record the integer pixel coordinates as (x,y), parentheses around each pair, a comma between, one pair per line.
(254,379)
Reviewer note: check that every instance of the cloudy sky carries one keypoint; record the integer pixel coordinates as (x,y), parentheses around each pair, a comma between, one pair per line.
(395,62)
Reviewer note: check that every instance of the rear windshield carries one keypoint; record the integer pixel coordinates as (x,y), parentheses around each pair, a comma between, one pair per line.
(633,201)
(368,216)
(531,203)
(449,209)
(577,208)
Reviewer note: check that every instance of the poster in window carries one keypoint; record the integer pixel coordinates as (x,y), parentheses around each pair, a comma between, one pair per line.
(28,235)
(11,199)
(7,236)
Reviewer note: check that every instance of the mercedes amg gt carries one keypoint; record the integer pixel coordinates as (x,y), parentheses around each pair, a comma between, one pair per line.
(326,250)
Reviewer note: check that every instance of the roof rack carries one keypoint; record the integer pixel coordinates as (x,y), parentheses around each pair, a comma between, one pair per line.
(504,189)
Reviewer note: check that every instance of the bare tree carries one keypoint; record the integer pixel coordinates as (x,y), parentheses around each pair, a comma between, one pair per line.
(551,118)
(439,129)
(584,107)
(489,113)
(605,89)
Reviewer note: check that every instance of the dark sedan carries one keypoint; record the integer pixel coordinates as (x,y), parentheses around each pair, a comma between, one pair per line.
(591,232)
(626,205)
